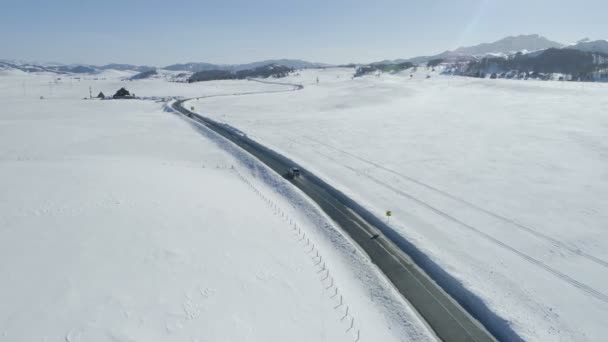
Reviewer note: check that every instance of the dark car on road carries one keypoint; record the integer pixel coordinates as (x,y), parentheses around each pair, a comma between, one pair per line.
(293,173)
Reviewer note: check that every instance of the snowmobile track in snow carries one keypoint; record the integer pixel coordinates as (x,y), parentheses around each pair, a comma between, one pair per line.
(513,222)
(560,275)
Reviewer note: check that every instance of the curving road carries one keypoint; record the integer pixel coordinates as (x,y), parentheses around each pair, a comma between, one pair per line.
(448,319)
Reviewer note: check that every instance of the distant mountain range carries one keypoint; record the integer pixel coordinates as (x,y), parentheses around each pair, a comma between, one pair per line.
(519,57)
(506,46)
(263,71)
(289,63)
(186,67)
(565,64)
(590,46)
(532,44)
(72,69)
(126,67)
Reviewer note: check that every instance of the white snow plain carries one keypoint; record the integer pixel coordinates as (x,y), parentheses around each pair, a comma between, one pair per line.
(503,184)
(122,221)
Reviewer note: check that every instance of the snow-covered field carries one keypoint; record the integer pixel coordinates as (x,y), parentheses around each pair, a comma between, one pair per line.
(504,184)
(123,222)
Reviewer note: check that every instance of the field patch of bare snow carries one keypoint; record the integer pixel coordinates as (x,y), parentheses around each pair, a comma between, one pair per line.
(121,222)
(502,183)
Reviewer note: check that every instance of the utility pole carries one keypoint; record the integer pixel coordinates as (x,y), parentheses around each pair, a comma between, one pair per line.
(90,92)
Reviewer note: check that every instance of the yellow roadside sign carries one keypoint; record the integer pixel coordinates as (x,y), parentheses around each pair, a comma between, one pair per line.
(389,213)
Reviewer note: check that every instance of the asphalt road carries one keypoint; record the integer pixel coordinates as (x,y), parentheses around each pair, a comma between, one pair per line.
(448,319)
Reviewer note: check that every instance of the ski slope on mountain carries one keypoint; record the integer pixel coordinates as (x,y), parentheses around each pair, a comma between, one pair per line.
(120,221)
(501,183)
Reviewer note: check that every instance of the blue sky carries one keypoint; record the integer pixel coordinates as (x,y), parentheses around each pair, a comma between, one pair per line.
(237,31)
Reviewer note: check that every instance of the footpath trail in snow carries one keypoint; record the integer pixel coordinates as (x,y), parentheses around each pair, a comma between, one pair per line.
(121,222)
(502,183)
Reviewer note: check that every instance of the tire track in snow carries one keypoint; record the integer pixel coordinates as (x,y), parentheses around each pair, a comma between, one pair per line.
(572,281)
(321,269)
(530,230)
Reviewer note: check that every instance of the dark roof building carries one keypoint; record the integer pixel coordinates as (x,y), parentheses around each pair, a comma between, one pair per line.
(123,93)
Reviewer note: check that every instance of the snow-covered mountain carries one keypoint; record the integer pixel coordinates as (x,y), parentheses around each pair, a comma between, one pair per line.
(511,44)
(590,46)
(505,46)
